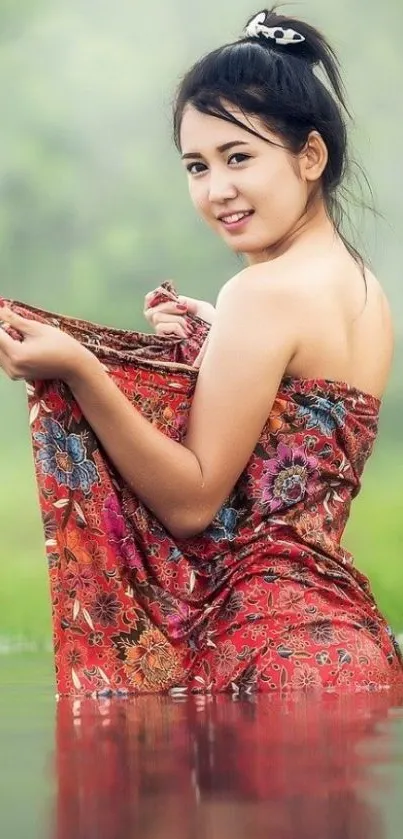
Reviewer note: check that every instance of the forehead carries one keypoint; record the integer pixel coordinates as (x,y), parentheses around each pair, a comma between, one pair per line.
(203,131)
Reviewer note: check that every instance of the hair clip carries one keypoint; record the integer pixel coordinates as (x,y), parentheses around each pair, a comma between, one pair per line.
(281,36)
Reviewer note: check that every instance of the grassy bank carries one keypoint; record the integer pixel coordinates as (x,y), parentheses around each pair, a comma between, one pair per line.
(375,536)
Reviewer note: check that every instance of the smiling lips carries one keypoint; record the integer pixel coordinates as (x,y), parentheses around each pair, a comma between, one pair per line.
(233,221)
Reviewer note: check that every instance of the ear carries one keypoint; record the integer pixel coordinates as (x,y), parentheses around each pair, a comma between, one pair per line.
(313,157)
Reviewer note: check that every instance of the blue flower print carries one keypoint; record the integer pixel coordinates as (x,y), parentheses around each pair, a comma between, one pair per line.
(64,457)
(322,414)
(224,525)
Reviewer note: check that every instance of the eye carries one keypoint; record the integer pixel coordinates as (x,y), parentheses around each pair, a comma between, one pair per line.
(191,168)
(241,157)
(197,167)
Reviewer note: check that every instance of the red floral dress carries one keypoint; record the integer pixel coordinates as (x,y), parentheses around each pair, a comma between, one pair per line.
(265,599)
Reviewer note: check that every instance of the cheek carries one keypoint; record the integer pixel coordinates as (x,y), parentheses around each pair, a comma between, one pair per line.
(282,191)
(199,198)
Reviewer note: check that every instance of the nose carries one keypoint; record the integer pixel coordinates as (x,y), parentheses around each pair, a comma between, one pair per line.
(221,186)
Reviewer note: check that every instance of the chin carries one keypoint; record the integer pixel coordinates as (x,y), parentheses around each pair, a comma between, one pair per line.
(251,250)
(242,243)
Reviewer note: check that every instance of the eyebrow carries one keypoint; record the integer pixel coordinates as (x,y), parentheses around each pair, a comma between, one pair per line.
(221,149)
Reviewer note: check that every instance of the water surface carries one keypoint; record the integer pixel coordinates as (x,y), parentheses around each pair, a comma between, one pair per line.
(198,767)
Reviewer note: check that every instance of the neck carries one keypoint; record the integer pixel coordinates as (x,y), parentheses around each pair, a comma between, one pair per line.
(314,224)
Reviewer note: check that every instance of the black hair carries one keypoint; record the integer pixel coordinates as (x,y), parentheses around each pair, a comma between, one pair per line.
(276,82)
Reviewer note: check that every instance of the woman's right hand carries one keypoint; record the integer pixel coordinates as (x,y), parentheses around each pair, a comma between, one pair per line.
(169,318)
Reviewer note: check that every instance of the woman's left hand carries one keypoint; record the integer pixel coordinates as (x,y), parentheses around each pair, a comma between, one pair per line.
(45,352)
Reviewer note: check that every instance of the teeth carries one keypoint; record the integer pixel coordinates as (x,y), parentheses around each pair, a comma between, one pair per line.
(234,217)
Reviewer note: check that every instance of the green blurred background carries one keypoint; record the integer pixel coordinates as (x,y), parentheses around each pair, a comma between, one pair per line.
(94,213)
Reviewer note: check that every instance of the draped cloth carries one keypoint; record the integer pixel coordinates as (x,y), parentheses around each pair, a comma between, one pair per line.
(265,599)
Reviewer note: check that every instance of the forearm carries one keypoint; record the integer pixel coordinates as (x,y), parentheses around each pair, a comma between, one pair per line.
(164,474)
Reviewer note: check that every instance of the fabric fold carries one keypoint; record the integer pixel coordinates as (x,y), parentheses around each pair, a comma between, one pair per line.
(265,598)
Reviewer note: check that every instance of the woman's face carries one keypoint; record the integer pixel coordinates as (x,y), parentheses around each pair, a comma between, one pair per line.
(252,193)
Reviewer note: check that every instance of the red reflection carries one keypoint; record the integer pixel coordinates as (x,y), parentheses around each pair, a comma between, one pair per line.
(217,768)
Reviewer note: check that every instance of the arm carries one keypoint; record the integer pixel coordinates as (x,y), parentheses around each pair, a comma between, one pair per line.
(252,340)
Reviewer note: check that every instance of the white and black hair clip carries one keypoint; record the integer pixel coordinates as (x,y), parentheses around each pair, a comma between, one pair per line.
(281,36)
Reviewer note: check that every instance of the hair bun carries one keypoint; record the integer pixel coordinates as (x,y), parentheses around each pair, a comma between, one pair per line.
(283,33)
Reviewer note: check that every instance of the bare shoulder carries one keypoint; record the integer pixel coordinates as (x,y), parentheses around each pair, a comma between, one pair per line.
(377,295)
(375,330)
(268,282)
(322,287)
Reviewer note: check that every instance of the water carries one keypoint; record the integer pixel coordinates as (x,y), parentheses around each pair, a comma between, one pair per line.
(196,768)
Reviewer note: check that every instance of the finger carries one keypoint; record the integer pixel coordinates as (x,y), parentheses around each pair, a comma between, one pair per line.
(169,330)
(156,292)
(148,309)
(172,310)
(9,372)
(161,317)
(150,294)
(190,302)
(23,325)
(7,356)
(168,305)
(7,343)
(162,307)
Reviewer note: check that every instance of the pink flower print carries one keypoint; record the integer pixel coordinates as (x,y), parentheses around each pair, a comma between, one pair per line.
(285,477)
(116,529)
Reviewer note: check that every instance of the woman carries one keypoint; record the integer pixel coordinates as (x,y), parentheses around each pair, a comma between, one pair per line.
(254,498)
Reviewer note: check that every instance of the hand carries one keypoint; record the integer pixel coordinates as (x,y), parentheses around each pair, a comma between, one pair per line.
(44,352)
(170,318)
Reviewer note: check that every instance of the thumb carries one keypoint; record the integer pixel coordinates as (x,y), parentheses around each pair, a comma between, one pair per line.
(190,302)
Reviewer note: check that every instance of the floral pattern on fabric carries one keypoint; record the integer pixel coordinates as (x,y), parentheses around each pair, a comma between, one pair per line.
(286,477)
(265,599)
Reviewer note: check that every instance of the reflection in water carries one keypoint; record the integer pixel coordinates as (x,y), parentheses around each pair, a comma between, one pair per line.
(213,767)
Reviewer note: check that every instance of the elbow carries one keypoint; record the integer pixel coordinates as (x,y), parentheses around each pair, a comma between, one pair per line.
(188,524)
